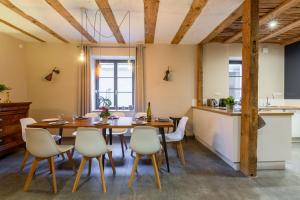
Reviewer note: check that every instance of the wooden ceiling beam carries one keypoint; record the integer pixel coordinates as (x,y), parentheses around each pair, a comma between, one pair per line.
(17,10)
(150,18)
(287,4)
(56,5)
(21,30)
(236,14)
(105,8)
(194,12)
(281,31)
(291,41)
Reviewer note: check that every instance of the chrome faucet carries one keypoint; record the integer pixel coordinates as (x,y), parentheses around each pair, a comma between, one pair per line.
(268,102)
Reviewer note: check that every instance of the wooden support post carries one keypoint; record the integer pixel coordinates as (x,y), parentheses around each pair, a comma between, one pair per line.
(199,75)
(249,120)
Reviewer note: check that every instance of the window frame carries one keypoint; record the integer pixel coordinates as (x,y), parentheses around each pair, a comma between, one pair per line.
(235,62)
(115,91)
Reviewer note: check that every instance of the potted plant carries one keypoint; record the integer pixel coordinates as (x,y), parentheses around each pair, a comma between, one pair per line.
(105,103)
(3,88)
(229,102)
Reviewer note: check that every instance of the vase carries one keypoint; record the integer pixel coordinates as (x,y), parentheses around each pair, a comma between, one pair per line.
(229,108)
(7,100)
(105,119)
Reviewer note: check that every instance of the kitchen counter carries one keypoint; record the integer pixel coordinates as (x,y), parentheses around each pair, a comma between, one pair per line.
(220,132)
(262,112)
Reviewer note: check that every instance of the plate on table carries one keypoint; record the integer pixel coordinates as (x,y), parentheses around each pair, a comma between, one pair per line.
(81,117)
(50,120)
(161,119)
(113,117)
(59,123)
(139,122)
(100,123)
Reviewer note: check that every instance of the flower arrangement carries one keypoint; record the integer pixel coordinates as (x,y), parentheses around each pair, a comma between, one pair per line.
(3,88)
(105,103)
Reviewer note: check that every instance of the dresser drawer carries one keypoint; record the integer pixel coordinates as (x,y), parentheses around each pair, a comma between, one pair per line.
(10,130)
(11,119)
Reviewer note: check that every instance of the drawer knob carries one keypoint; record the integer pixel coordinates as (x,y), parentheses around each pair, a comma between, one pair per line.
(1,120)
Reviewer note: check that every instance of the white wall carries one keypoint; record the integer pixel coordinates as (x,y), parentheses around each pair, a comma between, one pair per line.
(215,69)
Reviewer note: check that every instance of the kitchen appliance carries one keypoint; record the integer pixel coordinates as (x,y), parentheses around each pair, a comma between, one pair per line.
(211,102)
(222,102)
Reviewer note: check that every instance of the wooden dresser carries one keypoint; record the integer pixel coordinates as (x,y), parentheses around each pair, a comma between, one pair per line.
(10,127)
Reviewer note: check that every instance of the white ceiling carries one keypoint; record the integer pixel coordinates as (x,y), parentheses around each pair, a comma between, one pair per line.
(170,16)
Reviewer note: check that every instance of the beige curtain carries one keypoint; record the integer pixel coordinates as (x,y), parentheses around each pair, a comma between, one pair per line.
(139,79)
(85,84)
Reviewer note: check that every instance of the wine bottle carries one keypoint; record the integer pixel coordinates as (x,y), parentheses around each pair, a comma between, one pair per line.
(149,114)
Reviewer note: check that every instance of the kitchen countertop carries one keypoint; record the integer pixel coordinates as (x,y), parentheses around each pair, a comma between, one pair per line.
(269,112)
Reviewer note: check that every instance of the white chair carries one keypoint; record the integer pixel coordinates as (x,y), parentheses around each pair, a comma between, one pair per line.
(177,137)
(120,132)
(40,144)
(145,141)
(91,144)
(24,122)
(89,115)
(140,115)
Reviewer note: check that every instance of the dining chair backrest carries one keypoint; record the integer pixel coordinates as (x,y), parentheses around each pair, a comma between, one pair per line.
(90,142)
(40,143)
(144,140)
(24,122)
(119,114)
(181,126)
(93,114)
(140,114)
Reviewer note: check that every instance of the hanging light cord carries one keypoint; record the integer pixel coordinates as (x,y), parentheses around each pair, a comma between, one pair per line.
(129,35)
(93,24)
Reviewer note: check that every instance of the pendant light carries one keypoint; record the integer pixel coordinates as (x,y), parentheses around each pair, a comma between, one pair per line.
(129,60)
(98,67)
(81,56)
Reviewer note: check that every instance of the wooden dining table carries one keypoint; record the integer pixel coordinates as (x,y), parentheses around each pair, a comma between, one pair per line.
(122,122)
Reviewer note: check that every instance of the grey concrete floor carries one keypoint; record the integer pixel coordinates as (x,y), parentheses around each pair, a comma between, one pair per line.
(204,177)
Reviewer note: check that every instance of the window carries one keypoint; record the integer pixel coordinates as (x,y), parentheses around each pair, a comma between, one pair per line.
(116,82)
(235,79)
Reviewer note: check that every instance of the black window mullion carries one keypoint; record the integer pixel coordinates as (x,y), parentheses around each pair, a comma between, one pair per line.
(116,84)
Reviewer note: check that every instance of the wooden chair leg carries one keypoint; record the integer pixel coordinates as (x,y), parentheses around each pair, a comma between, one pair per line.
(154,164)
(81,167)
(30,175)
(69,154)
(102,173)
(54,185)
(49,163)
(134,167)
(26,155)
(181,153)
(112,163)
(90,166)
(122,146)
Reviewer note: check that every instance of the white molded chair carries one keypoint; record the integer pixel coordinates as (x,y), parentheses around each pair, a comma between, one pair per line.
(177,137)
(24,122)
(145,141)
(120,132)
(89,115)
(40,144)
(140,115)
(91,144)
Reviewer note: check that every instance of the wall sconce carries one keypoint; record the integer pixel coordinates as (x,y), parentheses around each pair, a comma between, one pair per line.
(49,76)
(167,74)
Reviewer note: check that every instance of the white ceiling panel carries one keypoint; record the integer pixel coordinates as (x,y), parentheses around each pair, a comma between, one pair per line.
(170,16)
